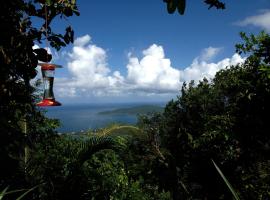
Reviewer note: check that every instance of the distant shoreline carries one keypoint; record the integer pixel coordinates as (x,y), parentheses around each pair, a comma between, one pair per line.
(81,117)
(134,110)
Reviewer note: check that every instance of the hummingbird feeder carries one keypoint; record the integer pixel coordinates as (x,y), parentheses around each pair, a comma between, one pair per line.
(48,71)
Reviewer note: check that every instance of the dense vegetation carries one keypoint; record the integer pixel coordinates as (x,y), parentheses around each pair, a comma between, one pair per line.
(167,156)
(225,120)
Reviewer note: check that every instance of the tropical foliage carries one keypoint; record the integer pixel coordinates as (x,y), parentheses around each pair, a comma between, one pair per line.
(225,120)
(180,5)
(18,114)
(168,155)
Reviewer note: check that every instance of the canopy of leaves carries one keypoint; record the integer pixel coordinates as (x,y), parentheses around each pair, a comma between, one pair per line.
(180,5)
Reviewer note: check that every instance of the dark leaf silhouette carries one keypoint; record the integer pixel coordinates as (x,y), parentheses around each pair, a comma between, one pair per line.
(43,55)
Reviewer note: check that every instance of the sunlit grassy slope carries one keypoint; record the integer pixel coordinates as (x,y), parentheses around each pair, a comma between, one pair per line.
(117,130)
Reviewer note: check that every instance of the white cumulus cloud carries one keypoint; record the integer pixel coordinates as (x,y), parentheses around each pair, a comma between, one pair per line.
(81,41)
(90,74)
(200,69)
(152,74)
(209,53)
(261,20)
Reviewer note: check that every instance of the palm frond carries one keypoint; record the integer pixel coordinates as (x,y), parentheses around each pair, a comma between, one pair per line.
(93,145)
(120,130)
(26,191)
(3,193)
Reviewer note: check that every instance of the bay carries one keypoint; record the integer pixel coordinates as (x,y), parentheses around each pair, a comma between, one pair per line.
(82,117)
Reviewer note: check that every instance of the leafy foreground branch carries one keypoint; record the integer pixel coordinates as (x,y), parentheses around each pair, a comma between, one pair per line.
(18,62)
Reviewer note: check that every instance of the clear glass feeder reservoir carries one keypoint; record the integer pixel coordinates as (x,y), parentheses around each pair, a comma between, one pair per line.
(48,71)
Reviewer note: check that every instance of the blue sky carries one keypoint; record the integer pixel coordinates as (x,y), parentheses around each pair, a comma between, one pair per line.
(135,51)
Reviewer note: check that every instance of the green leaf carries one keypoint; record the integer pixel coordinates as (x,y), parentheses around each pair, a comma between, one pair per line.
(171,6)
(5,192)
(42,55)
(28,191)
(49,2)
(234,193)
(2,194)
(76,12)
(181,6)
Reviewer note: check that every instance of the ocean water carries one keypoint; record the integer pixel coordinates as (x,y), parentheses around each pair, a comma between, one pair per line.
(77,118)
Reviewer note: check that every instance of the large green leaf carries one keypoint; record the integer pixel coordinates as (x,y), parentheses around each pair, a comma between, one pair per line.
(26,191)
(181,6)
(234,193)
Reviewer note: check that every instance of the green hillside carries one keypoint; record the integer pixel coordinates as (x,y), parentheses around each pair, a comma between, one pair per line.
(144,109)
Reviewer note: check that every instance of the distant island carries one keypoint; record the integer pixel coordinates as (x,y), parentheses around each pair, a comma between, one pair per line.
(143,109)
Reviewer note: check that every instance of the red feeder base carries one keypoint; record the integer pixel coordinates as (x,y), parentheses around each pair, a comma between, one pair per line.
(49,102)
